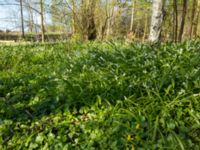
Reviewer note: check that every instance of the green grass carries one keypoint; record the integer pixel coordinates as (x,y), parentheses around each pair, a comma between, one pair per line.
(100,96)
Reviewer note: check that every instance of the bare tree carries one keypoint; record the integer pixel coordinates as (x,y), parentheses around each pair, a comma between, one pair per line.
(42,20)
(30,14)
(73,17)
(22,19)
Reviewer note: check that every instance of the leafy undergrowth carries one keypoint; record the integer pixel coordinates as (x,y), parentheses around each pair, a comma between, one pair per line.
(100,96)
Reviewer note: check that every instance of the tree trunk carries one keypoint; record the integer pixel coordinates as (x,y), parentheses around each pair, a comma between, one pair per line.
(182,20)
(111,19)
(132,14)
(156,21)
(192,18)
(42,20)
(31,23)
(175,21)
(196,19)
(145,27)
(91,28)
(22,19)
(88,19)
(73,17)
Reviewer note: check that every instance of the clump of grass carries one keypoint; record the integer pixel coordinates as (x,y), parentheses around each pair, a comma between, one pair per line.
(100,96)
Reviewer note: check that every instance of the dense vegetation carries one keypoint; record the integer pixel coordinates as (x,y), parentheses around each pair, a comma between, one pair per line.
(100,96)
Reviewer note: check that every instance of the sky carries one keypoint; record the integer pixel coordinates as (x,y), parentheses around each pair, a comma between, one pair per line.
(10,16)
(7,16)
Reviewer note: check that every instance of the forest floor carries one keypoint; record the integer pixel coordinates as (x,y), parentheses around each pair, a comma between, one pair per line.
(102,96)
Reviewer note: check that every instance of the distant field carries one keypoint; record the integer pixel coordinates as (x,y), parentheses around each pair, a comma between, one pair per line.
(100,96)
(4,37)
(6,42)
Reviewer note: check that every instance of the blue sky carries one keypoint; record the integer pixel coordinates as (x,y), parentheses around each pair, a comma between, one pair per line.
(10,15)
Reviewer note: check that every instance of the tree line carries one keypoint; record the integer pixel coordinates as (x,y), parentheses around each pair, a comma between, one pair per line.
(140,20)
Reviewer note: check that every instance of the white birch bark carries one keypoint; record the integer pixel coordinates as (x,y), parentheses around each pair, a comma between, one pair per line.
(156,20)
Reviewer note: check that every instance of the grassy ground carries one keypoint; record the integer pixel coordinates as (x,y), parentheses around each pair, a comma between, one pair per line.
(100,96)
(31,37)
(6,42)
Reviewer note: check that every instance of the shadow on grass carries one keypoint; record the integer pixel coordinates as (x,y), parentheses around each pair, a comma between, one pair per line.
(112,76)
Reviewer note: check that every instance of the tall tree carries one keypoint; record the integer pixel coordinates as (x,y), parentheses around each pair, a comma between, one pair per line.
(156,20)
(22,19)
(196,18)
(145,27)
(132,14)
(42,19)
(88,19)
(73,17)
(175,20)
(29,9)
(111,16)
(192,17)
(182,25)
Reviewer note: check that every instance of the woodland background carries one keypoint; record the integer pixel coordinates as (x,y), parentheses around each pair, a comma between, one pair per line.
(100,19)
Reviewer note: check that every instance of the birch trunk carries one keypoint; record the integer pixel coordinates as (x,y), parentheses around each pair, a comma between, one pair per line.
(156,21)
